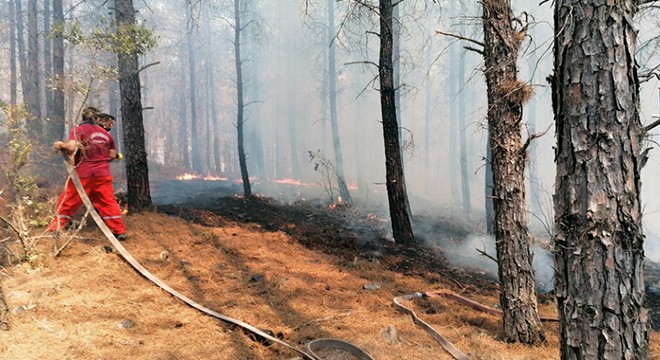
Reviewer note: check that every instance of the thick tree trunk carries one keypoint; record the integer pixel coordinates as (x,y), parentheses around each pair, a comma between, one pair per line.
(488,189)
(247,189)
(332,93)
(137,170)
(598,218)
(505,98)
(396,185)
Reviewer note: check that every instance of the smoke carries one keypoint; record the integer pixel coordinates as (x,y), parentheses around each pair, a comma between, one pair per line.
(476,251)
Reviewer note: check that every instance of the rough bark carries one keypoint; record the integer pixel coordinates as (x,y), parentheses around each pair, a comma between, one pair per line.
(247,190)
(137,170)
(506,95)
(598,218)
(396,185)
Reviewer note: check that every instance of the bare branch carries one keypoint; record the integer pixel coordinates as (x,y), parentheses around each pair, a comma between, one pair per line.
(148,65)
(652,125)
(533,137)
(461,37)
(480,52)
(484,253)
(362,62)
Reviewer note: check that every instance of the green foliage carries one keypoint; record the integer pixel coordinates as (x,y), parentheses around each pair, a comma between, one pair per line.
(108,36)
(26,206)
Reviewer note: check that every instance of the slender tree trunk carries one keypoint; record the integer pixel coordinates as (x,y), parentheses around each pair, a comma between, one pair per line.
(598,217)
(137,170)
(32,97)
(428,101)
(184,142)
(332,92)
(453,164)
(20,43)
(506,96)
(396,185)
(48,68)
(194,122)
(247,190)
(292,123)
(13,82)
(462,139)
(58,111)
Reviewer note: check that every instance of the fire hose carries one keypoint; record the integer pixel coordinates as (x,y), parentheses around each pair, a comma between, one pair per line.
(446,344)
(312,346)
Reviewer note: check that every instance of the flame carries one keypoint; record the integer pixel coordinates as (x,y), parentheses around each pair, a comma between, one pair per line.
(296,182)
(187,176)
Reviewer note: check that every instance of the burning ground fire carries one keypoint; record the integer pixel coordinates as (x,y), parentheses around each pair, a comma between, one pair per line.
(188,176)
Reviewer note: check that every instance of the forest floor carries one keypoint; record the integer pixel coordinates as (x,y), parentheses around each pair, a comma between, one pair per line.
(295,267)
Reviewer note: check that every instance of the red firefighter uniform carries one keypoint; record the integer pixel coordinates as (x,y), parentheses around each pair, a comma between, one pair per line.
(92,162)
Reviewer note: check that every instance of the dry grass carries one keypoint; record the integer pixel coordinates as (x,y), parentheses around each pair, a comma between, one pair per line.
(72,307)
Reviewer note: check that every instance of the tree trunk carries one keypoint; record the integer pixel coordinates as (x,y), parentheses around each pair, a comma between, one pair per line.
(137,170)
(453,164)
(488,189)
(32,96)
(194,126)
(332,93)
(20,44)
(462,137)
(505,98)
(58,111)
(48,71)
(13,83)
(247,190)
(598,217)
(184,143)
(396,185)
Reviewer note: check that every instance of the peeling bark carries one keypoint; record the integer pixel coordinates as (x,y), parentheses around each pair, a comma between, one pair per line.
(506,96)
(598,218)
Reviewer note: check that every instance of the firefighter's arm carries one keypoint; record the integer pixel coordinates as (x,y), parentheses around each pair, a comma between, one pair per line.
(114,155)
(69,147)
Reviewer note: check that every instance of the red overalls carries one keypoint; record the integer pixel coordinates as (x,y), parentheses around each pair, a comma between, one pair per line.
(93,167)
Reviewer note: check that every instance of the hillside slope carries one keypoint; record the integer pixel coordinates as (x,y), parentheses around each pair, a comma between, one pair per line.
(257,267)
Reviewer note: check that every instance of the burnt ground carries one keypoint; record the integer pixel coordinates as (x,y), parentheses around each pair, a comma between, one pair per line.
(351,234)
(342,231)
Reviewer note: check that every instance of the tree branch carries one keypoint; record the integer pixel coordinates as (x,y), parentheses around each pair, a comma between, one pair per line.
(652,125)
(480,52)
(533,137)
(146,66)
(461,37)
